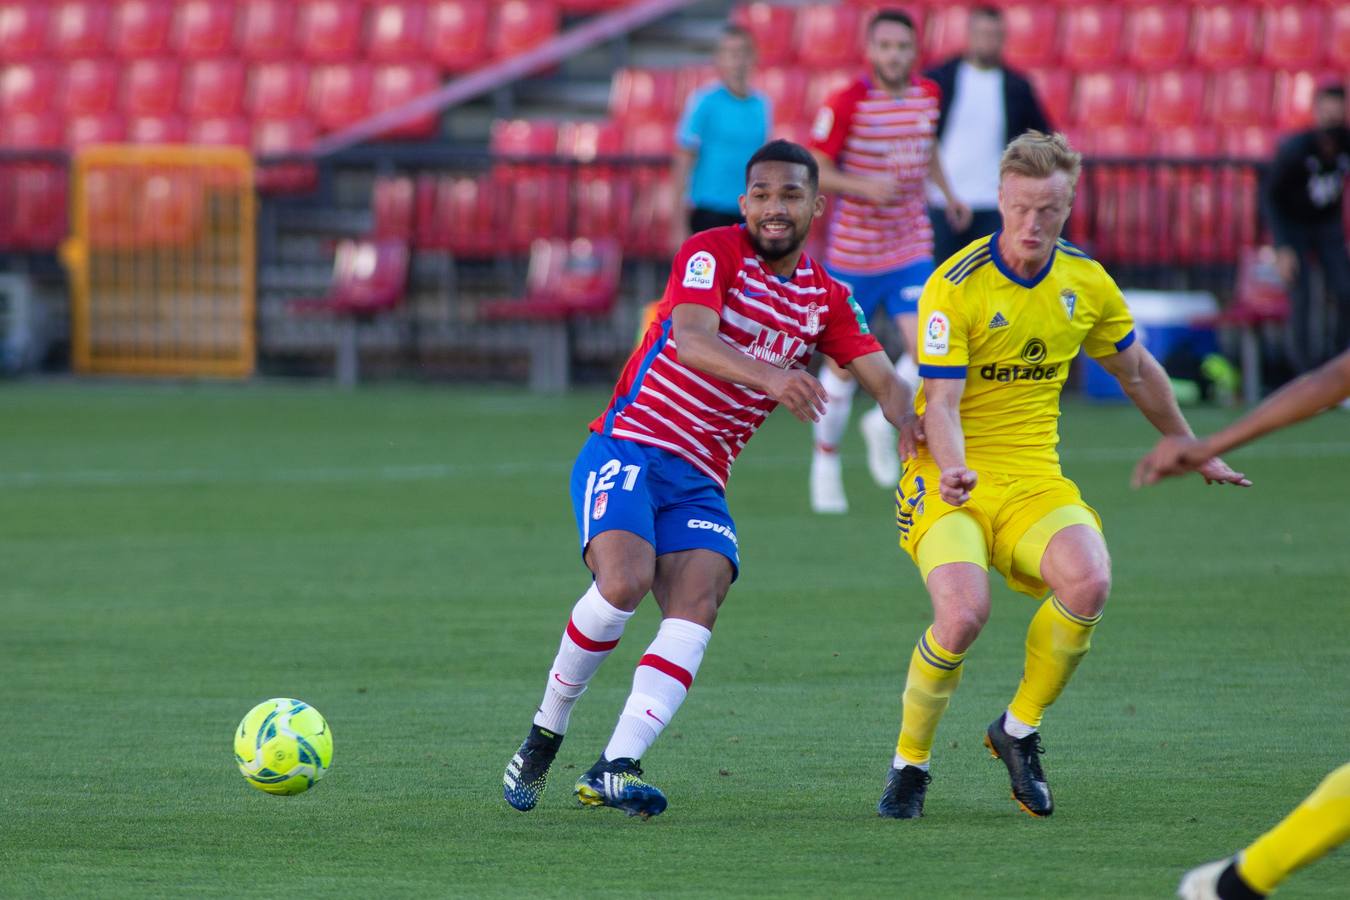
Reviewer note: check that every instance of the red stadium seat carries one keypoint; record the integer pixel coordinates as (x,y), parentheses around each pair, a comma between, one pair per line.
(947,30)
(33,215)
(1293,36)
(772,27)
(278,90)
(140,28)
(797,131)
(515,138)
(28,88)
(368,277)
(1158,36)
(157,130)
(603,206)
(203,29)
(1242,97)
(523,25)
(1175,97)
(1032,32)
(1251,142)
(396,84)
(1054,88)
(150,87)
(565,279)
(1225,36)
(23,31)
(643,94)
(654,209)
(95,128)
(1338,37)
(396,31)
(32,131)
(785,86)
(79,29)
(457,33)
(393,204)
(585,7)
(329,30)
(279,137)
(1188,142)
(1105,98)
(265,29)
(532,201)
(689,79)
(339,95)
(823,85)
(1294,99)
(221,131)
(828,36)
(213,87)
(585,141)
(1115,141)
(1091,36)
(91,86)
(649,137)
(457,214)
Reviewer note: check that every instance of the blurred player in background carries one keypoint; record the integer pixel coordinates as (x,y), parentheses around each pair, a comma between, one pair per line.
(744,310)
(722,126)
(1001,322)
(874,141)
(1322,821)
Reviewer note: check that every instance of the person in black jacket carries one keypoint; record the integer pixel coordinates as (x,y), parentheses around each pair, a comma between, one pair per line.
(1303,203)
(984,106)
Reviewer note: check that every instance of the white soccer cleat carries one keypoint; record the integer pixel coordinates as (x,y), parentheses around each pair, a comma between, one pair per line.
(883,459)
(1202,883)
(827,484)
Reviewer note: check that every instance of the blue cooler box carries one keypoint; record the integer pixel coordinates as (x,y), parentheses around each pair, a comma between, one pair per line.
(1163,321)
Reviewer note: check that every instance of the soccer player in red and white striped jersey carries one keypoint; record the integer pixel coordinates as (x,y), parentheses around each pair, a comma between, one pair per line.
(743,312)
(875,143)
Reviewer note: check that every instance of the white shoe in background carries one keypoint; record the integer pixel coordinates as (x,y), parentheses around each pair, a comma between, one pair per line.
(827,484)
(883,459)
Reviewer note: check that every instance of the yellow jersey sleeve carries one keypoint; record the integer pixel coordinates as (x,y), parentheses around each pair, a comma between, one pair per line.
(1114,329)
(944,334)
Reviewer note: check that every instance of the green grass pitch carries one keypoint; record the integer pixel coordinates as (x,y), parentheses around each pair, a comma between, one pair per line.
(404,559)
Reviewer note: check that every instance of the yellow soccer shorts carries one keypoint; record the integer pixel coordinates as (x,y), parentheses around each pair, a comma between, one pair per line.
(1008,520)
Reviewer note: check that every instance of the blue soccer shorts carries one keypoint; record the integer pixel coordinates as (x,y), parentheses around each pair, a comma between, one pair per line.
(626,486)
(898,290)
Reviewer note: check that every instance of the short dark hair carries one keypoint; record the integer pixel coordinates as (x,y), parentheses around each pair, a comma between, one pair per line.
(989,12)
(788,152)
(734,30)
(898,16)
(1331,89)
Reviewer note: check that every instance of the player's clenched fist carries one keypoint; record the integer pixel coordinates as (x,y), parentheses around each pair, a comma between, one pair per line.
(956,485)
(800,392)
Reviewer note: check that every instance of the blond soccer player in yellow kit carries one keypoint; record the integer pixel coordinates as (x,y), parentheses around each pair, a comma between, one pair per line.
(1000,323)
(1322,821)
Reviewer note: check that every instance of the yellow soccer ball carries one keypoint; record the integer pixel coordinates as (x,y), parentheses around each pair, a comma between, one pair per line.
(283,746)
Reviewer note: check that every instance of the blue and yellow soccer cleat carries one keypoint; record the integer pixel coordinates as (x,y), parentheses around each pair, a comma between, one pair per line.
(527,772)
(1022,756)
(618,783)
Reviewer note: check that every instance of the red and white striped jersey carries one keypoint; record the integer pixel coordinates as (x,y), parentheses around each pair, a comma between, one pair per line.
(868,132)
(781,321)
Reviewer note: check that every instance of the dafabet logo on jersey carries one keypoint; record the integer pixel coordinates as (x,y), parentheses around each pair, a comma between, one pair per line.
(699,272)
(936,335)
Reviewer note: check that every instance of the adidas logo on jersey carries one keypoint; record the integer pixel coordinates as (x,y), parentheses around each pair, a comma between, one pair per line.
(998,321)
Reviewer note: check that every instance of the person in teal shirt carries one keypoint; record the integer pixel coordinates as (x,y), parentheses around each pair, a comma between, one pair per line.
(723,124)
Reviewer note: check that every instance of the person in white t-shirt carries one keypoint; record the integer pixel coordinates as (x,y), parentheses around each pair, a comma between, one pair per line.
(984,106)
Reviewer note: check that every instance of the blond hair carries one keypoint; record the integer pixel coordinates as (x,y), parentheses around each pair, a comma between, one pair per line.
(1037,155)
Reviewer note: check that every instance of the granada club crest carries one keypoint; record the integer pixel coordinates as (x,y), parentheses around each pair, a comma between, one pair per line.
(813,318)
(601,504)
(1070,300)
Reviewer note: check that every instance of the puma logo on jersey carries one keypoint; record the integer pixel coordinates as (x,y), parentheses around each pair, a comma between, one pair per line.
(998,321)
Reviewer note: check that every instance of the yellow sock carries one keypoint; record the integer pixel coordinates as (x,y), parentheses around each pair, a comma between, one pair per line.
(934,673)
(1318,824)
(1057,640)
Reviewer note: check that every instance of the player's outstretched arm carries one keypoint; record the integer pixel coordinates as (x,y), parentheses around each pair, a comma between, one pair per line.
(946,441)
(877,376)
(700,348)
(1146,383)
(1292,403)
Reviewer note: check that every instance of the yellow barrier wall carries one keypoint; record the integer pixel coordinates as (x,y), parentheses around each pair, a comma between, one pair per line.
(162,261)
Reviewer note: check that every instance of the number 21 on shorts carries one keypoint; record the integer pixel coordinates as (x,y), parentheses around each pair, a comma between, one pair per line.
(605,482)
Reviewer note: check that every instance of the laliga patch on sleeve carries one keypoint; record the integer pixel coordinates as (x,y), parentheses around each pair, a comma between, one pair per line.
(824,124)
(699,272)
(937,334)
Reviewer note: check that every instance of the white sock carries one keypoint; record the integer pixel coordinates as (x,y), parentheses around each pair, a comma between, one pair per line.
(908,372)
(592,632)
(830,429)
(900,762)
(663,677)
(1016,727)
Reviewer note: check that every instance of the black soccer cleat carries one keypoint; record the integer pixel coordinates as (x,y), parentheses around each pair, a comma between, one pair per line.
(618,783)
(527,772)
(902,798)
(1022,756)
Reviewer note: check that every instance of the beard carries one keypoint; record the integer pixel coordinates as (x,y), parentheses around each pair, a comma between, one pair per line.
(774,249)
